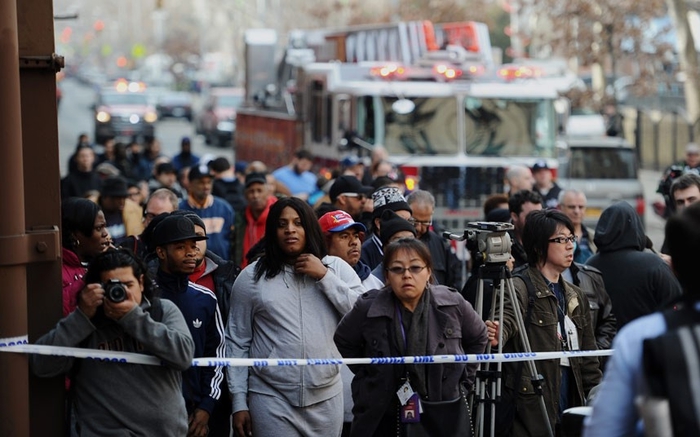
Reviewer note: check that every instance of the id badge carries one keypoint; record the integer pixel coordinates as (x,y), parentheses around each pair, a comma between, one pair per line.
(405,392)
(571,333)
(410,412)
(564,361)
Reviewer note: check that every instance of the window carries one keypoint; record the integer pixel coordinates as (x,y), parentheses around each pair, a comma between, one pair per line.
(602,163)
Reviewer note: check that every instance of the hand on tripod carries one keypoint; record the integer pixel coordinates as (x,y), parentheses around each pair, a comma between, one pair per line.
(492,328)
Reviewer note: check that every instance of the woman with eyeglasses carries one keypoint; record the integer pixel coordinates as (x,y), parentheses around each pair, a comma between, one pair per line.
(409,317)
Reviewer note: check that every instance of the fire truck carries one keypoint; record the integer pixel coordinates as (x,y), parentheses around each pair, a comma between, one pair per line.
(431,94)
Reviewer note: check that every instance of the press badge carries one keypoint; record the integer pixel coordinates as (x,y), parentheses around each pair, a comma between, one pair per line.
(405,392)
(571,334)
(410,413)
(571,342)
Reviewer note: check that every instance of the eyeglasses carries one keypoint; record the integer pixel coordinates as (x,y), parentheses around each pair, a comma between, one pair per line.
(358,195)
(396,270)
(563,240)
(415,222)
(575,206)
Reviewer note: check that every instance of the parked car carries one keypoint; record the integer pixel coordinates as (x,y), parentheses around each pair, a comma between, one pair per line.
(217,120)
(605,169)
(177,104)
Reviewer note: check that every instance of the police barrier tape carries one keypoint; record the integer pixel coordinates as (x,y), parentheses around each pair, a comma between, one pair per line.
(21,345)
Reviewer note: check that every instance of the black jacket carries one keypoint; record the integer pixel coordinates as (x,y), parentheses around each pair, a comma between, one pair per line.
(372,253)
(590,281)
(224,276)
(79,184)
(638,282)
(447,269)
(231,191)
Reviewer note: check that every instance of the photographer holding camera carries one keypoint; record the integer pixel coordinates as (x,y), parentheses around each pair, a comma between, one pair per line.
(118,311)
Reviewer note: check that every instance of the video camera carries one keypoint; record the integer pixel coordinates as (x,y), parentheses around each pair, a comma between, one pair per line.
(115,290)
(491,239)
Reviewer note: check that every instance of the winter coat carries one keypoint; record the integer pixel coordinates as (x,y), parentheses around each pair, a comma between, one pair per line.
(590,281)
(543,336)
(224,274)
(638,282)
(447,268)
(371,252)
(72,273)
(368,331)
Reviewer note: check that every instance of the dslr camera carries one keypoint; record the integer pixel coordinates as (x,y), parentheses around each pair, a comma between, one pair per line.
(115,290)
(490,239)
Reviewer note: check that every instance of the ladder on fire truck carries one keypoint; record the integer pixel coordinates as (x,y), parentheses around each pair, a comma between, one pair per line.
(403,42)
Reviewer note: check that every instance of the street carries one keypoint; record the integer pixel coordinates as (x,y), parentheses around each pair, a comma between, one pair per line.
(654,223)
(75,116)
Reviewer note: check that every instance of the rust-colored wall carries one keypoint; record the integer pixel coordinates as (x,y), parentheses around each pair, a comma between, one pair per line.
(266,137)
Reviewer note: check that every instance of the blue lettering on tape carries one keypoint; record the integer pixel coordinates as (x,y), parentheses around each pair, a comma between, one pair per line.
(387,360)
(259,363)
(423,360)
(286,362)
(461,358)
(321,362)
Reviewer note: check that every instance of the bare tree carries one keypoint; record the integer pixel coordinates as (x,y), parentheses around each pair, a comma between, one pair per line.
(600,35)
(688,58)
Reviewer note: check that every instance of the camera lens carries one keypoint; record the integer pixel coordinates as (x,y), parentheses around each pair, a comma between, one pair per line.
(115,291)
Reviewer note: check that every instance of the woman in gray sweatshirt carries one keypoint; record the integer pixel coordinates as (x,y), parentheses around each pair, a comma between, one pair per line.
(287,305)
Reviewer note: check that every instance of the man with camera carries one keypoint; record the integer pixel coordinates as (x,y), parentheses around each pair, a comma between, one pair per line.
(175,242)
(117,311)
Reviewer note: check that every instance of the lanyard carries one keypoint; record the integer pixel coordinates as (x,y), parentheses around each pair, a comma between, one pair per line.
(403,331)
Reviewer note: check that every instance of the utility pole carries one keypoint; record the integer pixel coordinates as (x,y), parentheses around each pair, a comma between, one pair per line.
(30,265)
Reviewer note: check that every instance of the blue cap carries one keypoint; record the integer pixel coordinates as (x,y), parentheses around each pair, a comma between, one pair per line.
(240,166)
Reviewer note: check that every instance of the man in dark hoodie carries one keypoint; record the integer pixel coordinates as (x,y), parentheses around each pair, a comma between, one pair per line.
(638,282)
(175,241)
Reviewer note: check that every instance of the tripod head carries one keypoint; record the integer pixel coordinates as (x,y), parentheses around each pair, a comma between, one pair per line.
(491,239)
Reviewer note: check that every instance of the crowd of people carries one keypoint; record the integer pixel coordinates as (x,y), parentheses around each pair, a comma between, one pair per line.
(210,259)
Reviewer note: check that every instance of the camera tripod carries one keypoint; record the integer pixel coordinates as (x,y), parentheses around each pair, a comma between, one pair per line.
(486,377)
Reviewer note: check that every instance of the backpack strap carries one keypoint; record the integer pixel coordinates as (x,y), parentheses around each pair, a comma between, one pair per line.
(670,363)
(156,309)
(682,313)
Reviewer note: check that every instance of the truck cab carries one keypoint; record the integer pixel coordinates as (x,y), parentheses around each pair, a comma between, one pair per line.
(124,111)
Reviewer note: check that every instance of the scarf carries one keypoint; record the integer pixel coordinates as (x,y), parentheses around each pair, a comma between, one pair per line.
(411,330)
(362,270)
(255,228)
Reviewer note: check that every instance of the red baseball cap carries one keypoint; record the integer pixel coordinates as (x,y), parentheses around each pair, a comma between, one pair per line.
(338,221)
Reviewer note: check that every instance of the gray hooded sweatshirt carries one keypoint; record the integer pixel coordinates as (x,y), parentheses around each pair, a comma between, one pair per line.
(288,316)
